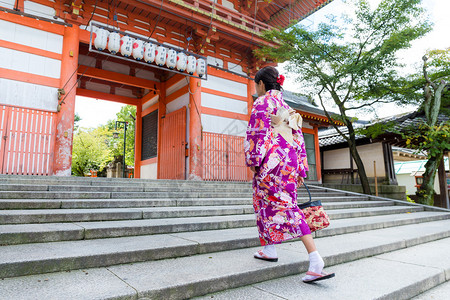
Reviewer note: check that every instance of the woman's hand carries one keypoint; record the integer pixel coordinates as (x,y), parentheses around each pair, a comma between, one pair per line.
(301,180)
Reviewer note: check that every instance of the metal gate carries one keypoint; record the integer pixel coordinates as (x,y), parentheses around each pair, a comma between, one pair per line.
(223,158)
(172,162)
(27,138)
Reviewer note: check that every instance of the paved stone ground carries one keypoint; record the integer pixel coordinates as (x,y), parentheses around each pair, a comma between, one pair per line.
(69,238)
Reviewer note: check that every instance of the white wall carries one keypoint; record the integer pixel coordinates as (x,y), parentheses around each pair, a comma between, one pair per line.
(8,4)
(17,93)
(224,103)
(37,9)
(149,171)
(225,85)
(21,93)
(370,153)
(336,159)
(410,182)
(29,63)
(236,68)
(32,37)
(223,125)
(340,159)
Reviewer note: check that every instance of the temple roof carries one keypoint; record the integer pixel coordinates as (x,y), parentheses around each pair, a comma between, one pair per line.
(330,136)
(282,12)
(302,103)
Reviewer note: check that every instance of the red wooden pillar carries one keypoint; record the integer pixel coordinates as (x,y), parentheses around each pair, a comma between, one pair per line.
(250,91)
(161,114)
(195,130)
(138,141)
(64,119)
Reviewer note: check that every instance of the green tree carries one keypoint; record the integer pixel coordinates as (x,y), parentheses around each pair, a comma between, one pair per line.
(75,121)
(432,136)
(90,150)
(126,114)
(355,64)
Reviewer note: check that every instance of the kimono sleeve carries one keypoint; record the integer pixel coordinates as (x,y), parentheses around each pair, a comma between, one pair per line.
(302,159)
(258,133)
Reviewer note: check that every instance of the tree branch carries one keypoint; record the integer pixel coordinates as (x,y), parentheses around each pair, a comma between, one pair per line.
(352,80)
(369,104)
(329,117)
(425,73)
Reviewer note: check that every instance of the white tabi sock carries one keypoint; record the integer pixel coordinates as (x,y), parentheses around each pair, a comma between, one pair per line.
(316,265)
(270,251)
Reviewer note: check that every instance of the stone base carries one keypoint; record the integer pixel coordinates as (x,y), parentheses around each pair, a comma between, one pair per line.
(397,192)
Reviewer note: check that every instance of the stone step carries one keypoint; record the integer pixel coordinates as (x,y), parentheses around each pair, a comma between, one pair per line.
(100,181)
(439,292)
(154,184)
(206,194)
(173,184)
(109,214)
(419,270)
(48,232)
(115,188)
(336,214)
(52,195)
(38,179)
(134,195)
(110,203)
(135,183)
(204,273)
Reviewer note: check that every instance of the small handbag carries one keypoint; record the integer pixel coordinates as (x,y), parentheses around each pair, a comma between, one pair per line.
(315,215)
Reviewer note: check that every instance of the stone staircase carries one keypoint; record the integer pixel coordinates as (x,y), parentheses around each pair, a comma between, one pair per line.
(98,238)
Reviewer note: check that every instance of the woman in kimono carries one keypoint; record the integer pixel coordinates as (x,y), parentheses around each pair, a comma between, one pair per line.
(275,152)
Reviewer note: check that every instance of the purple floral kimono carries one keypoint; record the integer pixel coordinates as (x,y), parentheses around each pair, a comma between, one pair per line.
(278,165)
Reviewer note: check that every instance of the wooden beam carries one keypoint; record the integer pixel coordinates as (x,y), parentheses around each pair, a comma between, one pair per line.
(183,91)
(174,80)
(28,49)
(226,95)
(33,23)
(224,114)
(147,97)
(118,78)
(108,97)
(150,109)
(28,77)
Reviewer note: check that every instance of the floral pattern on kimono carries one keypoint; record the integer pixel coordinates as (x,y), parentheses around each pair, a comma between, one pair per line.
(278,165)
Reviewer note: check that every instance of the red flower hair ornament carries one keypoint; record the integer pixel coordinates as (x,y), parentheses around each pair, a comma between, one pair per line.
(280,79)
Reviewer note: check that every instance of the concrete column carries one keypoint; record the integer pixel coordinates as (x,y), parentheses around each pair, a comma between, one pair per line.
(64,120)
(195,130)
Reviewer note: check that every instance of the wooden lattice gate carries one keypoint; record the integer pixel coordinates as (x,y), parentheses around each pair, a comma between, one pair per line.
(173,145)
(223,158)
(27,140)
